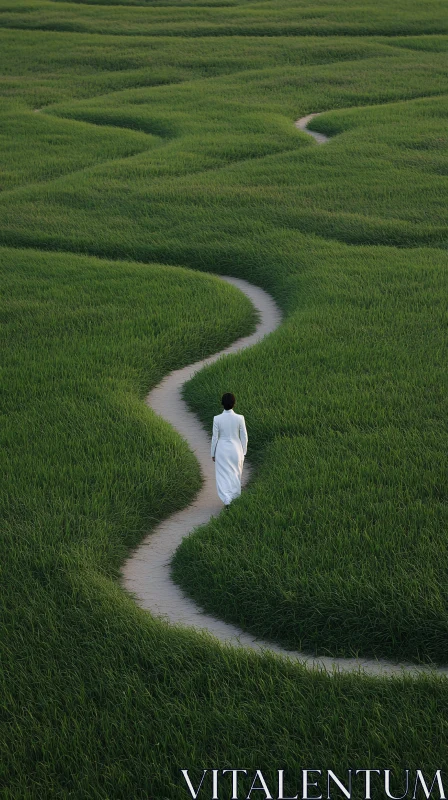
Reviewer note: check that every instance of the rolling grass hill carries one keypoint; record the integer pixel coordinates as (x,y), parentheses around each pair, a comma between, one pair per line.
(146,146)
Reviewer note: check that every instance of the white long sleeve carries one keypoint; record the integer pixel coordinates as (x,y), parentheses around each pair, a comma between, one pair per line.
(243,434)
(215,436)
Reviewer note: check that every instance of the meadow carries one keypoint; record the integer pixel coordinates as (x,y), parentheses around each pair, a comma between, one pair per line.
(146,146)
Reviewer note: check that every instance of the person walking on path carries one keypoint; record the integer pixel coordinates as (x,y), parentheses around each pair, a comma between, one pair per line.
(229,446)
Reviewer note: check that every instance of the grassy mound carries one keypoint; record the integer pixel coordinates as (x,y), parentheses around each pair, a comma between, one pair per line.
(165,134)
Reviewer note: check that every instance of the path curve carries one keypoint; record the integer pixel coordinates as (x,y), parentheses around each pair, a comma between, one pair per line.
(302,125)
(146,572)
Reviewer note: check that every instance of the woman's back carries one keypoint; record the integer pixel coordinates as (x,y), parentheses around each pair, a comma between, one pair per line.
(229,425)
(229,446)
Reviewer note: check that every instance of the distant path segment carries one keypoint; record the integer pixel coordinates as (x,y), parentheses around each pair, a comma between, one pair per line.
(146,572)
(302,125)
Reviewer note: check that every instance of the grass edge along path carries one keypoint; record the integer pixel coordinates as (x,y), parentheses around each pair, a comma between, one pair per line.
(374,665)
(146,573)
(92,721)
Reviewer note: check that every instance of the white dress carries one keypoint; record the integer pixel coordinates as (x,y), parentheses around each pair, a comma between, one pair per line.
(229,446)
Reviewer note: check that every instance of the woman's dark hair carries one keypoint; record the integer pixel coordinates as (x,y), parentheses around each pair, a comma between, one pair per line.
(228,400)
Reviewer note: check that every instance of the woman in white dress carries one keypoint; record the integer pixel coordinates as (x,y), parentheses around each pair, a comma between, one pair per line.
(229,446)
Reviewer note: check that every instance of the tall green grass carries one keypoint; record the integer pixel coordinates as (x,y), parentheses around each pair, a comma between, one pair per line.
(287,18)
(338,546)
(230,141)
(76,367)
(157,143)
(36,149)
(98,698)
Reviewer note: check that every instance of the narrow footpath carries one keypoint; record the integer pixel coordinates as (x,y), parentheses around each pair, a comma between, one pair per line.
(146,574)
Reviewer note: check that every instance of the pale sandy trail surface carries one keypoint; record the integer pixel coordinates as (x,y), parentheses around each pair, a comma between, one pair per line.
(302,125)
(146,573)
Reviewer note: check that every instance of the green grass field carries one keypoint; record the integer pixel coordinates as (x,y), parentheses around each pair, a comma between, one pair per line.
(146,146)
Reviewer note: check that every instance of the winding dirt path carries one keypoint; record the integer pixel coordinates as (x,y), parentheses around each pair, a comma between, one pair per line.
(302,125)
(146,573)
